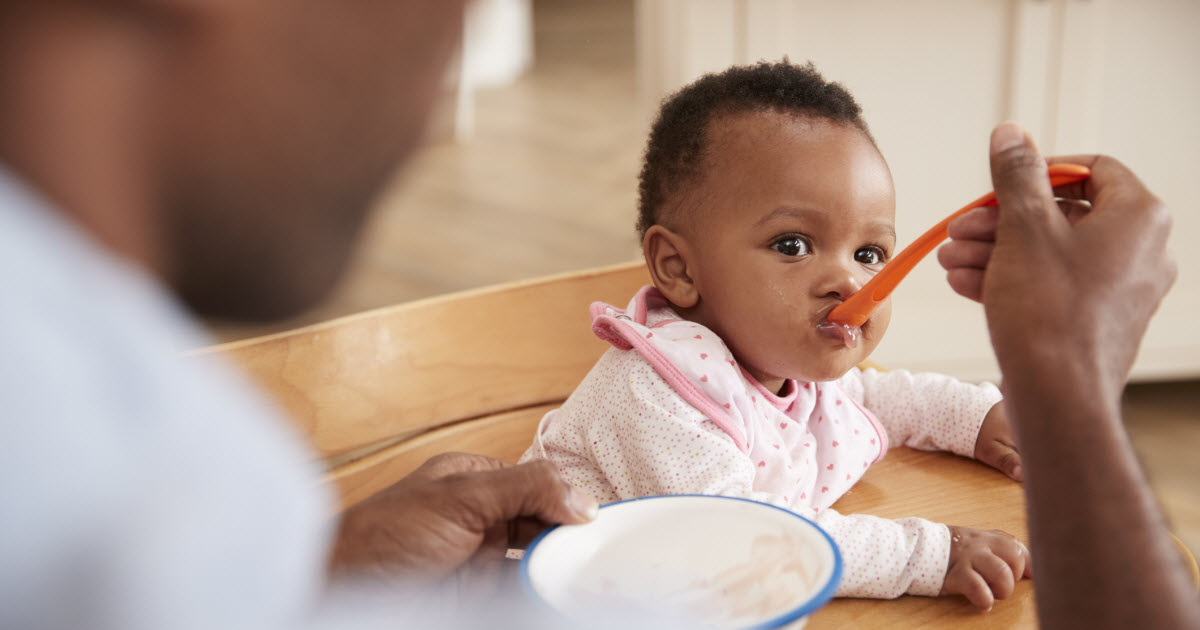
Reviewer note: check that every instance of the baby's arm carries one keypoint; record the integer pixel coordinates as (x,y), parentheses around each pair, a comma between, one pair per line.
(688,454)
(924,411)
(887,558)
(684,453)
(625,433)
(643,442)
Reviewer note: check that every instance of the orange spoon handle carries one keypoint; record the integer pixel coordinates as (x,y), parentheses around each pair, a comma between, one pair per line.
(858,308)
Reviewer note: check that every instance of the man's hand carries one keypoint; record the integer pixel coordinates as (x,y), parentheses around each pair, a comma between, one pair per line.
(1068,296)
(1062,289)
(995,445)
(439,517)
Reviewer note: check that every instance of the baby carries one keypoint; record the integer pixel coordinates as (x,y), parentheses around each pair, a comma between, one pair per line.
(764,204)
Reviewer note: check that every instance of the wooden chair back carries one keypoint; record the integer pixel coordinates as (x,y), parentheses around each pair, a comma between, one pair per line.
(378,393)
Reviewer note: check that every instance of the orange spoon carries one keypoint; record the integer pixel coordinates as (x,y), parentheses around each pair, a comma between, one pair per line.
(859,307)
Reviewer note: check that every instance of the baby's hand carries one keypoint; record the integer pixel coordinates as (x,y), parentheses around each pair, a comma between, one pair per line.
(985,565)
(995,446)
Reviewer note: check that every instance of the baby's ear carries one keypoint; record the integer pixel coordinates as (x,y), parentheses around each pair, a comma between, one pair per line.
(667,255)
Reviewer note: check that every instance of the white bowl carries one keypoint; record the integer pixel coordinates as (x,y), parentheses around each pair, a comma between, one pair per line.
(717,561)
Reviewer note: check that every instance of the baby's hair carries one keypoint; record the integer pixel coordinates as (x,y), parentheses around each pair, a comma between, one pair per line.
(676,149)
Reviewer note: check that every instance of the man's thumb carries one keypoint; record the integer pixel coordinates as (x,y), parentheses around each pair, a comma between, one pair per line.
(1019,178)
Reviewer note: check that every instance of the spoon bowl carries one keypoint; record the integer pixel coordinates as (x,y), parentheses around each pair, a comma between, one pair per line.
(858,308)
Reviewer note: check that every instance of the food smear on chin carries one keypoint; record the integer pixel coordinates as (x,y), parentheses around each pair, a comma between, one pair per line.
(846,333)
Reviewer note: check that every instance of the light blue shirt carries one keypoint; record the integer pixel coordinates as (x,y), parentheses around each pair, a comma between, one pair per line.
(138,489)
(142,490)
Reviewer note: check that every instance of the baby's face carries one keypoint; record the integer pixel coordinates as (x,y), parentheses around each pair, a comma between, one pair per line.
(792,216)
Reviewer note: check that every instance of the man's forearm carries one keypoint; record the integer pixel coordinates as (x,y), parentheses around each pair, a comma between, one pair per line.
(1089,506)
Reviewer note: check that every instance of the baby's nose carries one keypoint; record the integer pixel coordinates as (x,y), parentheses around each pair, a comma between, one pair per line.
(841,281)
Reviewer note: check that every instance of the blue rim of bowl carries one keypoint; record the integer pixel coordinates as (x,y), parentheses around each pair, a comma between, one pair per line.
(816,601)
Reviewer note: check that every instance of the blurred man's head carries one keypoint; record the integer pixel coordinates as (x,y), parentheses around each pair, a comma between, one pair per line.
(268,126)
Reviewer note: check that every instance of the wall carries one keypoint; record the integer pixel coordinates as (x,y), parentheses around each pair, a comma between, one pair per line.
(934,76)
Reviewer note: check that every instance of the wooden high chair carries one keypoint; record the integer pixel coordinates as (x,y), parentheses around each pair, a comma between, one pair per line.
(380,392)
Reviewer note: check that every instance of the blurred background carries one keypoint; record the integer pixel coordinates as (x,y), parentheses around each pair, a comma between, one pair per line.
(533,156)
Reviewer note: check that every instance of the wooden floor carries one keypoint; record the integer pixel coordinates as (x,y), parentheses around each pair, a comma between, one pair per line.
(548,184)
(1164,425)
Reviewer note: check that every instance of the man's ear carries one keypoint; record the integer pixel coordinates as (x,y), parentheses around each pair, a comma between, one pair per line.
(667,255)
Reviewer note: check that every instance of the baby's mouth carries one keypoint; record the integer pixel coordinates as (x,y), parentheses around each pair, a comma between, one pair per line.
(844,333)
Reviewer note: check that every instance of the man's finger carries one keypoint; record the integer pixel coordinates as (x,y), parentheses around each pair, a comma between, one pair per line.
(531,490)
(446,464)
(969,254)
(1074,210)
(978,224)
(966,282)
(1022,188)
(523,530)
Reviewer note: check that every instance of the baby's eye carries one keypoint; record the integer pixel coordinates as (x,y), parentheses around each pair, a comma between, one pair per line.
(870,255)
(792,246)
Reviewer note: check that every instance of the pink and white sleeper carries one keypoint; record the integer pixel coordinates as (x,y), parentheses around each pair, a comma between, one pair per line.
(668,410)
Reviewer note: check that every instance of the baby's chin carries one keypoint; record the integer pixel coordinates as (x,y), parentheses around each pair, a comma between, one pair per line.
(822,363)
(830,370)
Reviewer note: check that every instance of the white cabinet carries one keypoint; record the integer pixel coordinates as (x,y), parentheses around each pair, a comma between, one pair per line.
(934,77)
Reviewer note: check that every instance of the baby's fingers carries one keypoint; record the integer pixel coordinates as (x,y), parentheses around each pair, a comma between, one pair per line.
(1015,554)
(998,574)
(975,588)
(996,450)
(1007,460)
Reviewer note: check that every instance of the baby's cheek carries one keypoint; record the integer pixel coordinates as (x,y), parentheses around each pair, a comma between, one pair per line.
(874,329)
(880,320)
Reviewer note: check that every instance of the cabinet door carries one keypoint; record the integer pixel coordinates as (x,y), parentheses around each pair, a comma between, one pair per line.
(934,77)
(1130,87)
